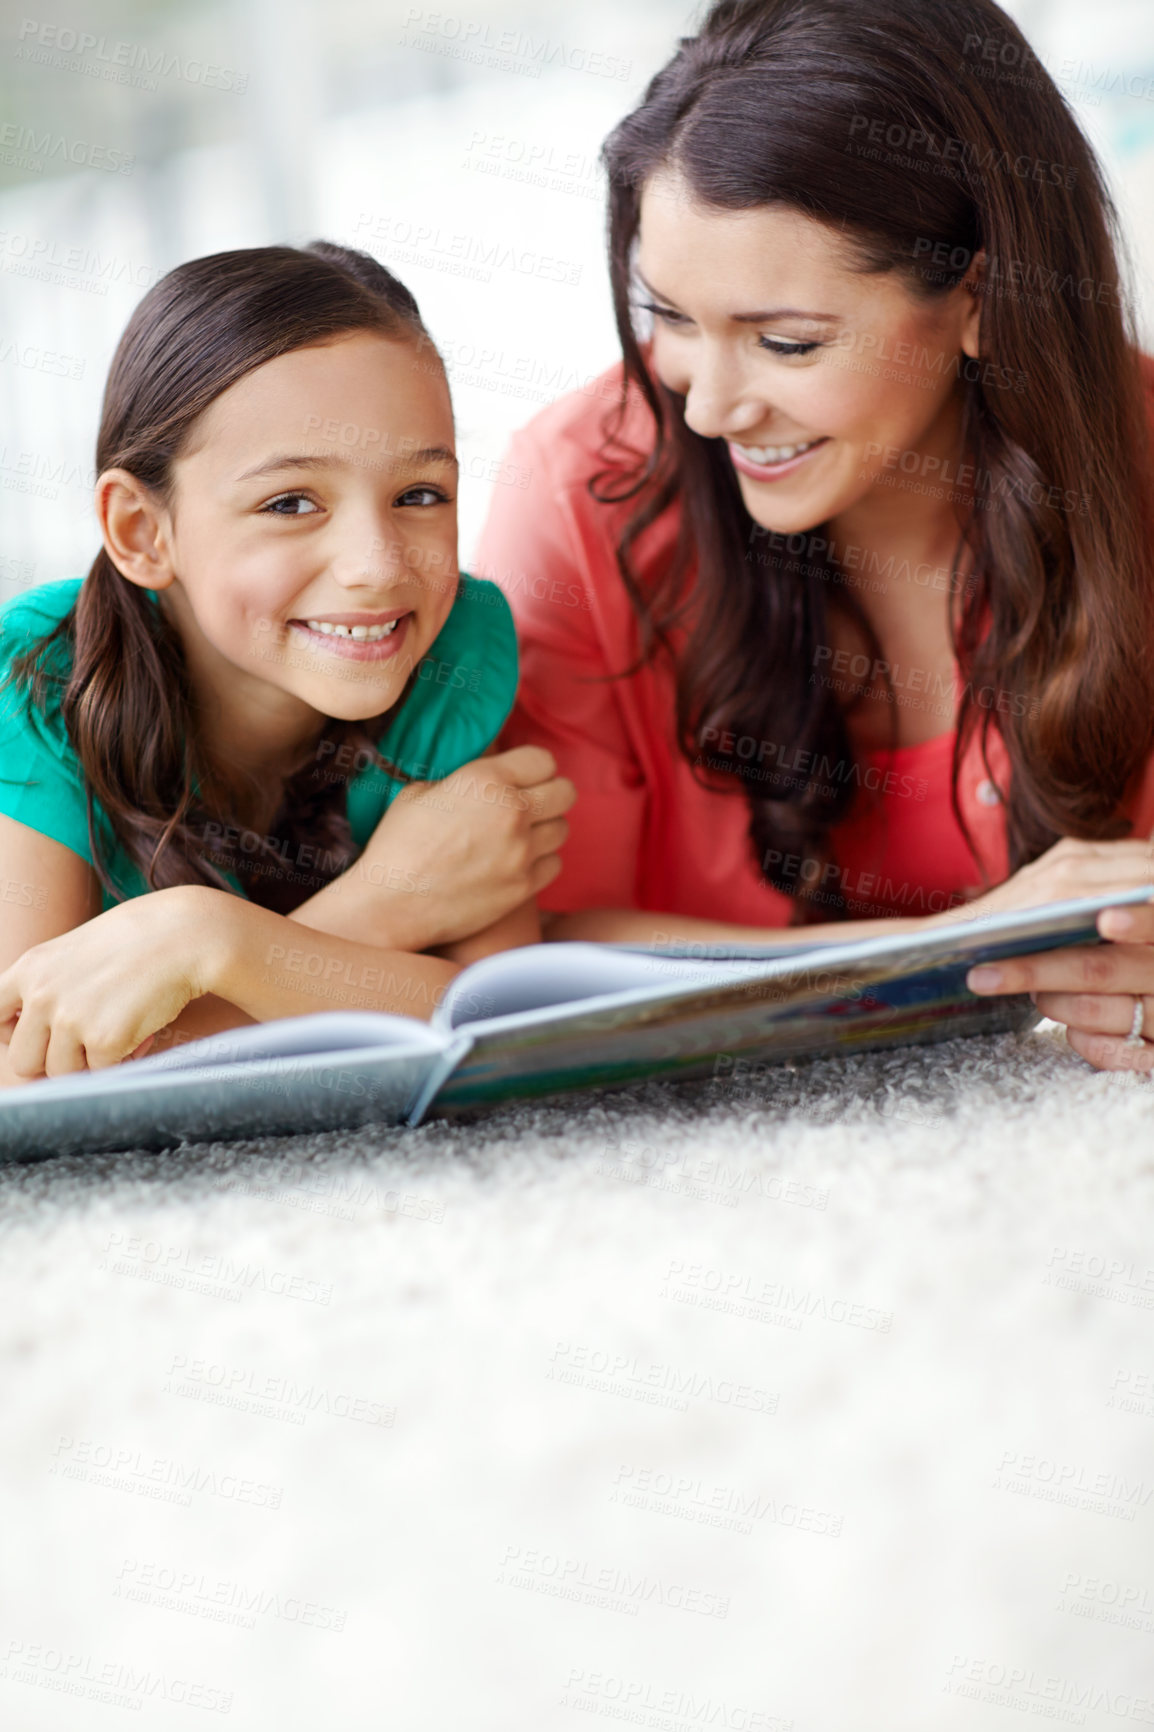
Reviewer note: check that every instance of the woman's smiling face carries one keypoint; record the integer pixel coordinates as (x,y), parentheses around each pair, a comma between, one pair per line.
(811,371)
(313,524)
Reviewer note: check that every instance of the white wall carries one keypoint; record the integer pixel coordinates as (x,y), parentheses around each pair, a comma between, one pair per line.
(427,137)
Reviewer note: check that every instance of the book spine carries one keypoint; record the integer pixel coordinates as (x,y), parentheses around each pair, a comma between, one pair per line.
(459,1047)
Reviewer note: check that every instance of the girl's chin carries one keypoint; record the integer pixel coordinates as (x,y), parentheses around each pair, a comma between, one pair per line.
(356,692)
(343,690)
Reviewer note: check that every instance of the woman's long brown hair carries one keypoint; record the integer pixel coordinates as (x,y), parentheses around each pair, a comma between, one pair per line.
(127,703)
(775,102)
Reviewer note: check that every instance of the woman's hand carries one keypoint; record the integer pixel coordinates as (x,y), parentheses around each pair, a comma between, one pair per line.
(1066,871)
(1093,990)
(450,858)
(97,995)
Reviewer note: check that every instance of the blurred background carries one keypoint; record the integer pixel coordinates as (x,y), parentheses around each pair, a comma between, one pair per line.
(460,147)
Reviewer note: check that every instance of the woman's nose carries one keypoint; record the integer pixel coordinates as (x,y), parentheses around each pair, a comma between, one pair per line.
(719,404)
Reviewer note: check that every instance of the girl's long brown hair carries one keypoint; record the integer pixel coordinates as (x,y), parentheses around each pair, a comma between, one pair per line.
(775,102)
(127,703)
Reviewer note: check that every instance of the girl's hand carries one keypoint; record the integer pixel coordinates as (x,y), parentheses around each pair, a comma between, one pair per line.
(450,858)
(1092,990)
(96,995)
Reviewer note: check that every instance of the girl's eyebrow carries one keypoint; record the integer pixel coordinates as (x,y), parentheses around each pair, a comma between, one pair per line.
(322,460)
(760,318)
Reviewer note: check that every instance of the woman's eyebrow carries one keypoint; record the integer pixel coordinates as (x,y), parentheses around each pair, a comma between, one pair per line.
(759,318)
(326,460)
(785,313)
(649,289)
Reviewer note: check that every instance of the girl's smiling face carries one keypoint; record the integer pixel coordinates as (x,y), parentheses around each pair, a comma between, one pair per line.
(773,338)
(308,553)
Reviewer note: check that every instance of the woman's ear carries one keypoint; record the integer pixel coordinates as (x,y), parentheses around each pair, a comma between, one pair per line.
(136,529)
(973,288)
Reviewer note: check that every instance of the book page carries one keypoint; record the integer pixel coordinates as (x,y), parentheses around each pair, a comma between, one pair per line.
(273,1079)
(295,1036)
(541,975)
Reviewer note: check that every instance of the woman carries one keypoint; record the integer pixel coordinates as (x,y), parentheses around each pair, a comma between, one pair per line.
(844,610)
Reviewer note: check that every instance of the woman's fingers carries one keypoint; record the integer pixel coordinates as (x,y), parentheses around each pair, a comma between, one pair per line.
(1121,845)
(1135,925)
(1108,1052)
(1093,1012)
(1074,848)
(1100,873)
(1092,988)
(1101,968)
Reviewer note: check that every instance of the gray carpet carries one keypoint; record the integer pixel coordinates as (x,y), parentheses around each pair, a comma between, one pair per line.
(821,1401)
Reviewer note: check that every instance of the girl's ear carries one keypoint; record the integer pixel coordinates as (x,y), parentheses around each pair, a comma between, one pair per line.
(973,288)
(136,529)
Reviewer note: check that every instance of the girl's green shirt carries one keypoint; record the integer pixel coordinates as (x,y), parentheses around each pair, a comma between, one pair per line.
(455,708)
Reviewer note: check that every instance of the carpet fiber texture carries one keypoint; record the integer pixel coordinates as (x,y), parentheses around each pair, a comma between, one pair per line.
(819,1397)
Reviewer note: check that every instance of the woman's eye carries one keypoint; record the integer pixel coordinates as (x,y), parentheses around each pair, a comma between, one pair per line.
(290,505)
(666,314)
(777,346)
(423,496)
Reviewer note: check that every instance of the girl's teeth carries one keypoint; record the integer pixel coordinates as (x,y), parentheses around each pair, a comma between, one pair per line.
(774,453)
(363,633)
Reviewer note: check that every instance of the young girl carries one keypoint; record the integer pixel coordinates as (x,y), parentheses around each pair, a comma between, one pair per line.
(836,597)
(225,736)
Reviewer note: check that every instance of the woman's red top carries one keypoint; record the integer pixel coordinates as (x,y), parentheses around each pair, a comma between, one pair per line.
(644,833)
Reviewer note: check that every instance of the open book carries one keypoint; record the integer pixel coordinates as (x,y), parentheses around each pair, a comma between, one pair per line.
(548,1019)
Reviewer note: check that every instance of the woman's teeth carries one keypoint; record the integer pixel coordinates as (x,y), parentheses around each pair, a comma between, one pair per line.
(767,454)
(364,633)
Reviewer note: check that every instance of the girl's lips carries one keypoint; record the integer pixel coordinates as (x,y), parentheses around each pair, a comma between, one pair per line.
(356,649)
(770,471)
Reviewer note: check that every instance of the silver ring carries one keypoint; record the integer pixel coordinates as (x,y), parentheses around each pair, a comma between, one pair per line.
(1134,1038)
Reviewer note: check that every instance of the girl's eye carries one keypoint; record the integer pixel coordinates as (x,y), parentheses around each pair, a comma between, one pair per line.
(432,496)
(286,505)
(777,346)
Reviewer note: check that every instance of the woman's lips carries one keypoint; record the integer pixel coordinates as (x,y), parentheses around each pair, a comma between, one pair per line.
(351,648)
(770,471)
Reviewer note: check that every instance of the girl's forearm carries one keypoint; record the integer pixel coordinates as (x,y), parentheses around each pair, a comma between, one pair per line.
(270,966)
(522,926)
(361,901)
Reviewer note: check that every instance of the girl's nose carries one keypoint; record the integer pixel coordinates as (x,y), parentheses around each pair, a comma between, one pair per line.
(372,559)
